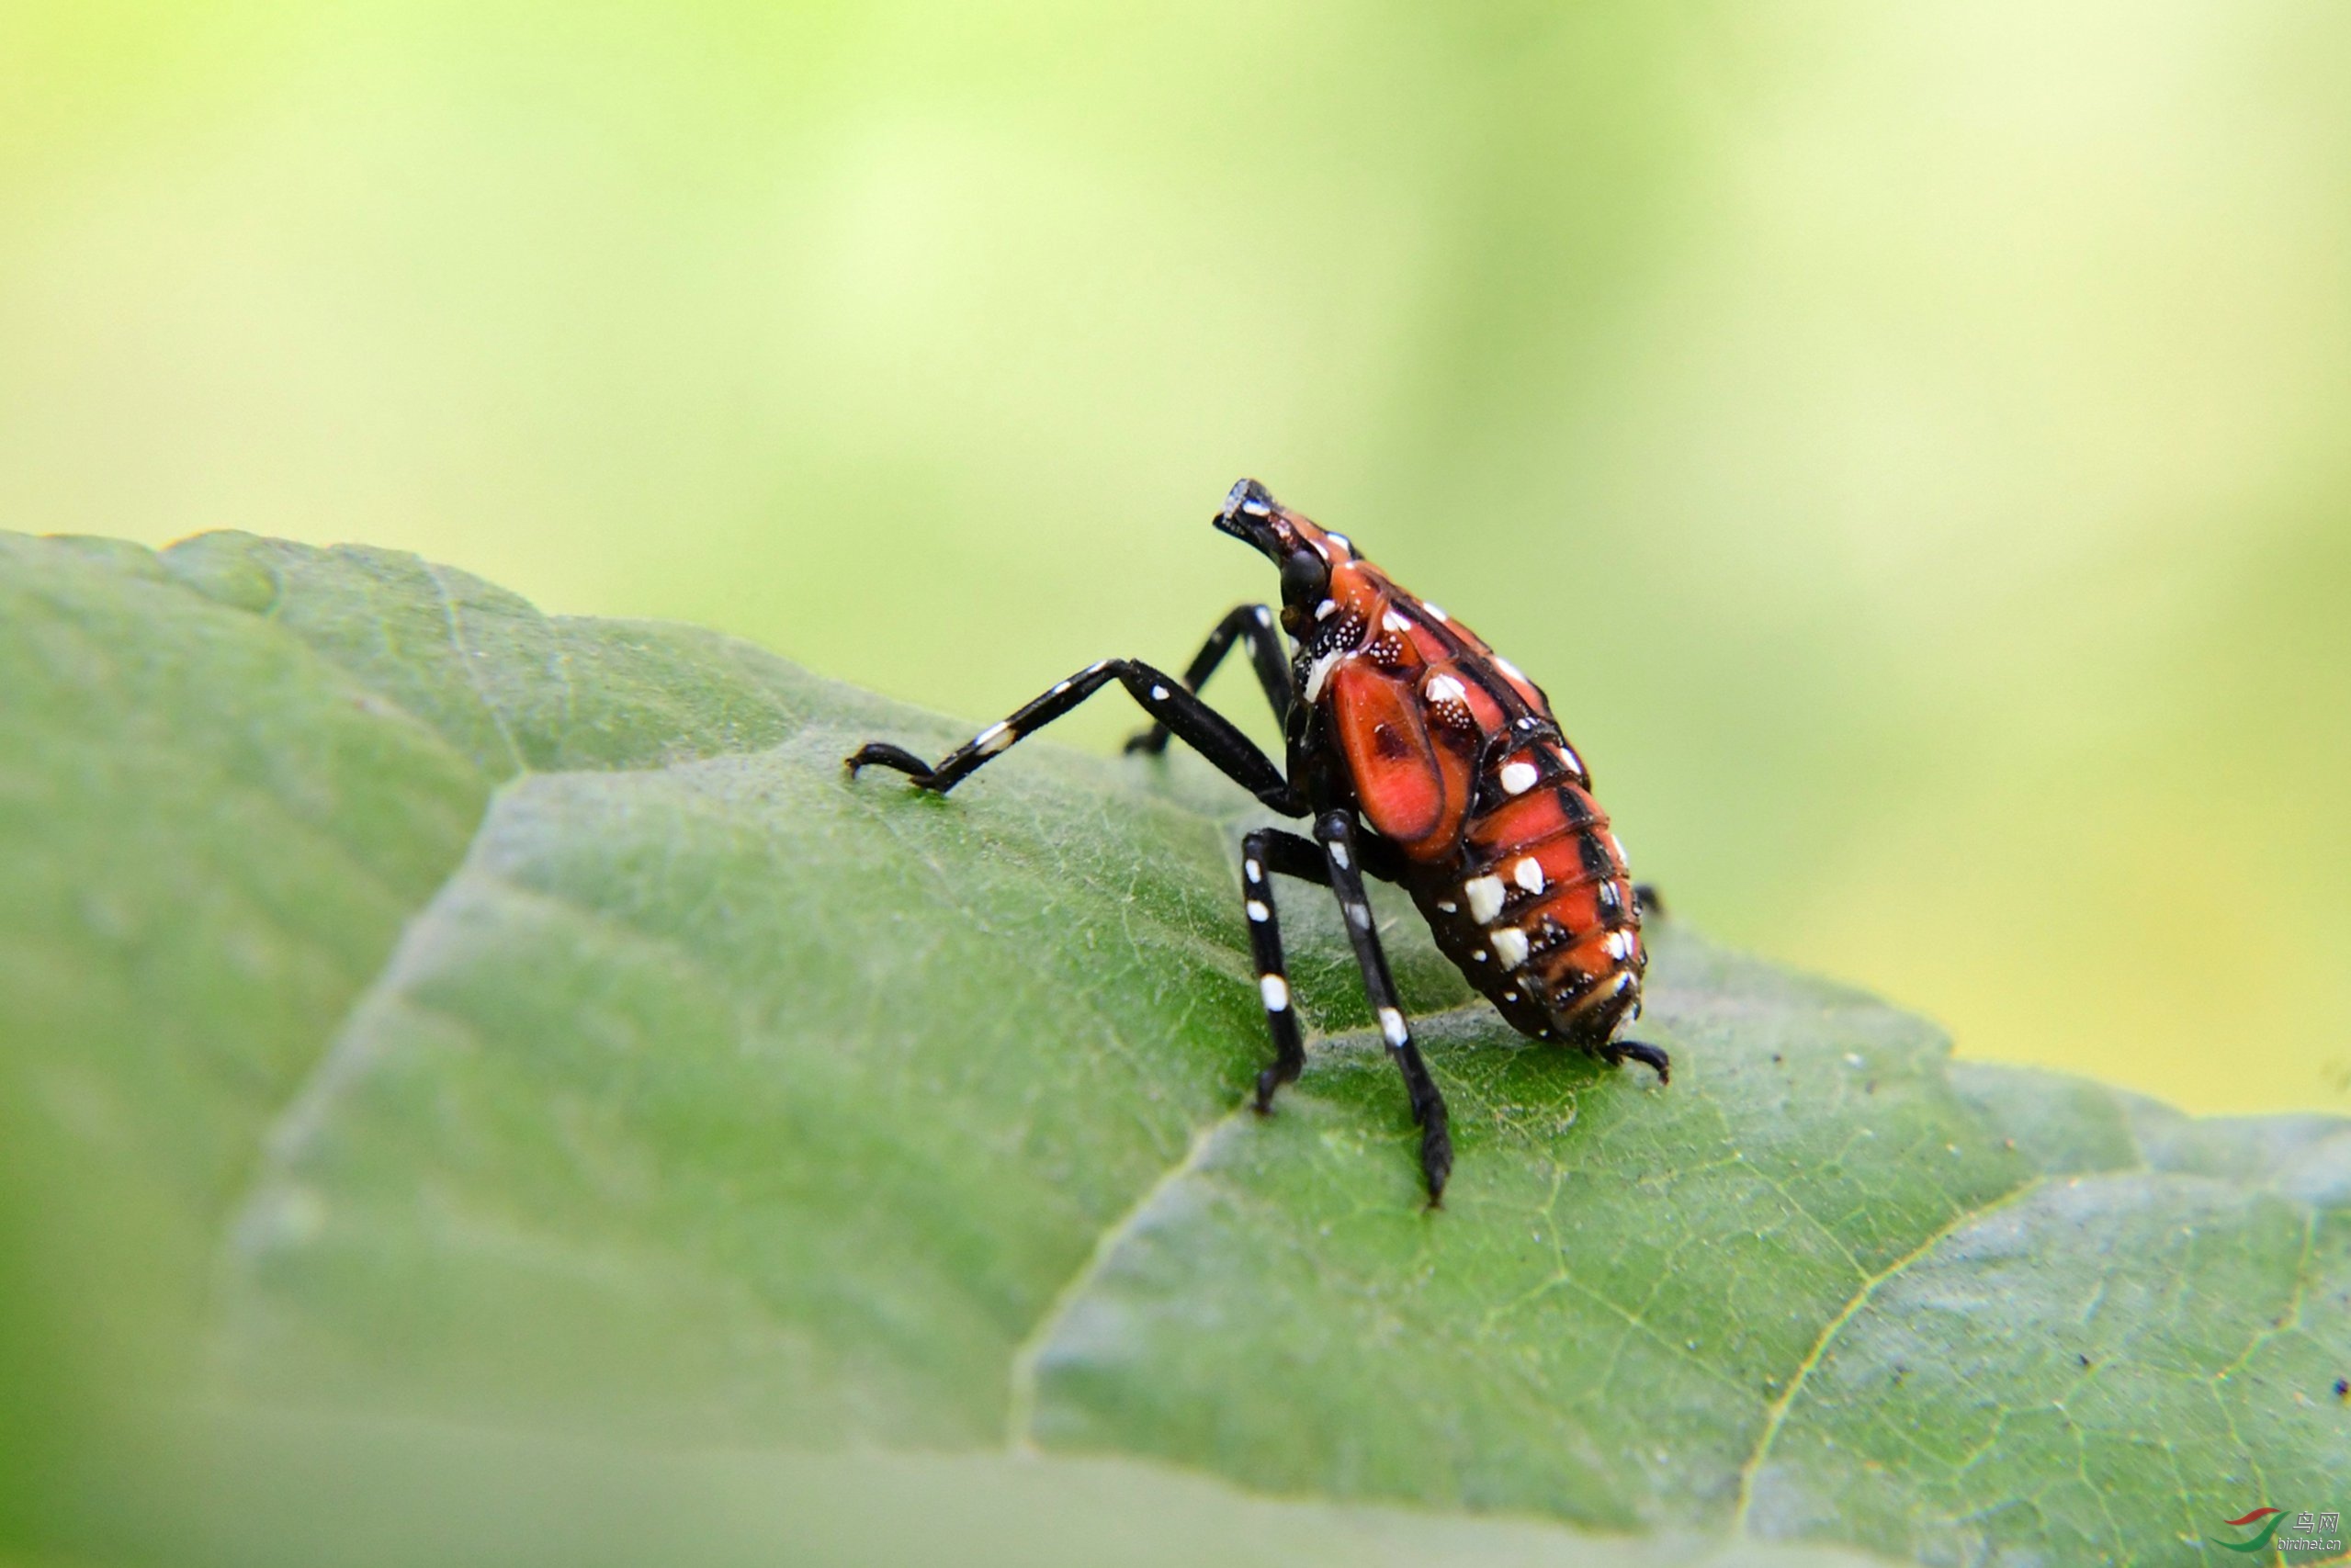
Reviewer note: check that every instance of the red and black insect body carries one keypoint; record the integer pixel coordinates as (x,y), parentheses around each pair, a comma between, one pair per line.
(1425,759)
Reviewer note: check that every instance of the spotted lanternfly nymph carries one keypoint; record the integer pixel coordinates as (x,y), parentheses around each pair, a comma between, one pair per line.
(1425,759)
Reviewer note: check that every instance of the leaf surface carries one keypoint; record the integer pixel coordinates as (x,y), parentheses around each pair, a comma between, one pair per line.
(425,1016)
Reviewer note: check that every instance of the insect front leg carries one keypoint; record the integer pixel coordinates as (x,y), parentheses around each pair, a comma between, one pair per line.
(1253,623)
(1342,860)
(1193,722)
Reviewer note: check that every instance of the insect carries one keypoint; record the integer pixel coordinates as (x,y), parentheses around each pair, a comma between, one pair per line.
(1425,759)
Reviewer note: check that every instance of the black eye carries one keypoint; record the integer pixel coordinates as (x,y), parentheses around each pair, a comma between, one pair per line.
(1305,575)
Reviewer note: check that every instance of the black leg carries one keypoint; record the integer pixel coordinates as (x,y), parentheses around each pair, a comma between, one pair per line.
(1651,903)
(1336,831)
(1254,622)
(1196,723)
(1264,853)
(1649,1056)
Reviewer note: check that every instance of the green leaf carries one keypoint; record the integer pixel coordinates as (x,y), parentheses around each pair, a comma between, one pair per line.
(492,1071)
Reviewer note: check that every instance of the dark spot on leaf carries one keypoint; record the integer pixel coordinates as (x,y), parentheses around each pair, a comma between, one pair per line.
(2083,1359)
(2343,1388)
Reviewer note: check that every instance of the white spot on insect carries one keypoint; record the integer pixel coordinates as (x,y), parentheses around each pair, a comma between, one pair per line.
(1485,896)
(1098,666)
(1435,614)
(1159,693)
(1623,982)
(1618,944)
(1618,845)
(1609,896)
(1444,689)
(1264,616)
(1276,992)
(1360,917)
(1479,955)
(1392,1025)
(1529,874)
(1631,1014)
(994,738)
(1518,778)
(1327,609)
(1253,870)
(1338,855)
(1059,687)
(1510,995)
(1393,622)
(1342,541)
(1448,906)
(1512,671)
(1575,764)
(1511,946)
(1320,672)
(1258,912)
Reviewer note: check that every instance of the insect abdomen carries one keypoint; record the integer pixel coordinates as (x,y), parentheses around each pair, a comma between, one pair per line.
(1542,918)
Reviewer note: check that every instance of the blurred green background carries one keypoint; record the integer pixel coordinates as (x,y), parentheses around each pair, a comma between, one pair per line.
(1907,442)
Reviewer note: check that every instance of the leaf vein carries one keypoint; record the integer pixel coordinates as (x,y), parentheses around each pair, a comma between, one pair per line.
(1777,1413)
(465,662)
(1019,1414)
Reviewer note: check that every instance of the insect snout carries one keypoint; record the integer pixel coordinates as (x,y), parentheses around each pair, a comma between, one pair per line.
(1247,498)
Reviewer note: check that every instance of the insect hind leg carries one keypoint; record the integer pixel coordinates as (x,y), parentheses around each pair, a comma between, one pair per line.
(1649,1056)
